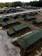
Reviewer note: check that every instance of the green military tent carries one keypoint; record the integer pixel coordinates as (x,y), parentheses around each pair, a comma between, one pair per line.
(20,27)
(30,39)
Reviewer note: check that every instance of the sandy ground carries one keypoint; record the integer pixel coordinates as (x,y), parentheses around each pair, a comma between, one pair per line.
(6,48)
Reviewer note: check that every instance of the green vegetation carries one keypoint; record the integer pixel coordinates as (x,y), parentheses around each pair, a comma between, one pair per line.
(14,4)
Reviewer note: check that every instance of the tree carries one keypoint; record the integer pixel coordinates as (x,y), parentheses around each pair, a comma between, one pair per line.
(15,4)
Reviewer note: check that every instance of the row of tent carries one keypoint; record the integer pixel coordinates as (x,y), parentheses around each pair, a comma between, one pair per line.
(17,29)
(29,39)
(22,17)
(16,26)
(11,10)
(38,21)
(7,21)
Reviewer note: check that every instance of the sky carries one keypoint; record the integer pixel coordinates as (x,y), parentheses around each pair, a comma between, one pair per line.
(17,0)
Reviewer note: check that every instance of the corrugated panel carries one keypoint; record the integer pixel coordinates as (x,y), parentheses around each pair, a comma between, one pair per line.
(4,24)
(30,39)
(10,22)
(29,17)
(10,31)
(1,19)
(39,20)
(19,27)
